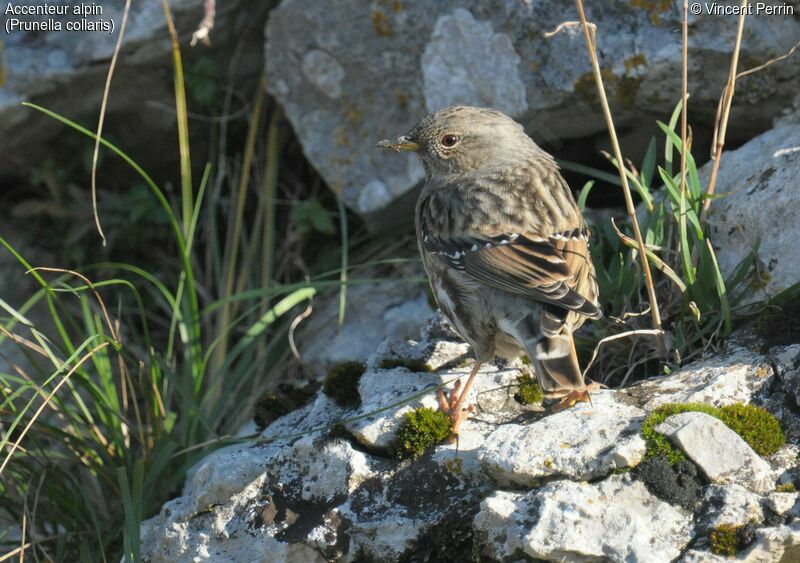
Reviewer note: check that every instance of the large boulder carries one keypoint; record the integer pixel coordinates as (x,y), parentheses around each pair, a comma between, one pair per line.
(760,207)
(349,74)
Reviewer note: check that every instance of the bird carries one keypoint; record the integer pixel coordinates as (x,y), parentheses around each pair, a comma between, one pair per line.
(505,247)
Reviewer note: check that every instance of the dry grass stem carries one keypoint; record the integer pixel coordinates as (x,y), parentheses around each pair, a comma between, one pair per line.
(684,117)
(770,62)
(101,119)
(723,112)
(46,402)
(651,293)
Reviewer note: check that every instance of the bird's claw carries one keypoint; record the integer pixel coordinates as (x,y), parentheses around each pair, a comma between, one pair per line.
(574,397)
(450,406)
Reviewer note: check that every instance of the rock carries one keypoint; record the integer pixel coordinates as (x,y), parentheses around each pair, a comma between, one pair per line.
(344,87)
(773,544)
(586,441)
(734,377)
(759,179)
(319,485)
(65,71)
(781,543)
(729,504)
(616,519)
(781,503)
(718,451)
(238,494)
(374,312)
(381,390)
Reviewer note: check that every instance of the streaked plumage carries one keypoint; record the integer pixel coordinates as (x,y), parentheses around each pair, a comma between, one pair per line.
(503,241)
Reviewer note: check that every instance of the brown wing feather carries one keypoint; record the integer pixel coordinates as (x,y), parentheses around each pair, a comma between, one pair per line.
(545,269)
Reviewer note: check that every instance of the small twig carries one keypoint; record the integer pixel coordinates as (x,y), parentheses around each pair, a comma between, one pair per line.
(770,62)
(566,25)
(101,120)
(590,45)
(646,331)
(203,31)
(723,112)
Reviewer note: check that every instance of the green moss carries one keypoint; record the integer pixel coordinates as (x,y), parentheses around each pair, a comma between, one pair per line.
(786,488)
(413,364)
(755,425)
(423,428)
(658,444)
(780,326)
(529,391)
(725,540)
(341,383)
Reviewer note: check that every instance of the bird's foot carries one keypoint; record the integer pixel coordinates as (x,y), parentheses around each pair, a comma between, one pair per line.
(574,397)
(453,407)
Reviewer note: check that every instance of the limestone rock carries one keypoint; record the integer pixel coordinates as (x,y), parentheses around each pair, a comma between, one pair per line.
(730,504)
(616,519)
(585,441)
(350,74)
(759,180)
(374,312)
(719,452)
(734,377)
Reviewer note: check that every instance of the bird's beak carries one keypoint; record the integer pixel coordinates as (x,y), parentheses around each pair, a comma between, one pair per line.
(402,143)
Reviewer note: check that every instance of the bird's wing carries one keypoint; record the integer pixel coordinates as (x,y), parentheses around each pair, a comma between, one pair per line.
(540,267)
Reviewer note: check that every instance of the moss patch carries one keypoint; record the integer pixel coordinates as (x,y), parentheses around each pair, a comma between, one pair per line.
(413,364)
(780,326)
(341,383)
(786,488)
(529,391)
(423,428)
(755,425)
(728,540)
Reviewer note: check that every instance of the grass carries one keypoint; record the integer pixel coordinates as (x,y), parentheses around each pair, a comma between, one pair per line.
(693,305)
(123,387)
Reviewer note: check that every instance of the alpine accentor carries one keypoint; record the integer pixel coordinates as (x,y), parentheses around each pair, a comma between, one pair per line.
(505,247)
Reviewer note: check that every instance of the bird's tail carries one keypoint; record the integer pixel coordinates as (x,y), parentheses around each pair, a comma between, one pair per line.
(556,364)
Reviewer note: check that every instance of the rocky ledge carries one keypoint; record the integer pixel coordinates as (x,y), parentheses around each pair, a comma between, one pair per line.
(693,466)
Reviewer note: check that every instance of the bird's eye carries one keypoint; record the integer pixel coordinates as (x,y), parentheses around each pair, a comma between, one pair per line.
(449,140)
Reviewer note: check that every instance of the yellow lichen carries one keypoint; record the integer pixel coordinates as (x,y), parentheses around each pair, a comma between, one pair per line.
(381,24)
(655,7)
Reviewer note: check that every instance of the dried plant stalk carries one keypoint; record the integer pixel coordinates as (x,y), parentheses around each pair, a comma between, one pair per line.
(651,292)
(723,112)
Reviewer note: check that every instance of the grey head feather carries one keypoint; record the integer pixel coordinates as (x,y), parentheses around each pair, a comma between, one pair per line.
(486,140)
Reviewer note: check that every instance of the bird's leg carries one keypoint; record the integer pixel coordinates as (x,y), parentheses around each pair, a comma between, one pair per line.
(574,397)
(454,405)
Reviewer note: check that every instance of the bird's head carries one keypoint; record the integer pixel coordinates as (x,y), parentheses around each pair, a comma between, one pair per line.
(464,139)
